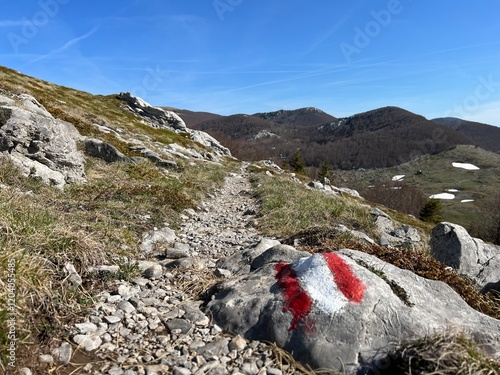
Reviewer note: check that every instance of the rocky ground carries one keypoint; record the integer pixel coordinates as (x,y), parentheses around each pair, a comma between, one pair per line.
(154,324)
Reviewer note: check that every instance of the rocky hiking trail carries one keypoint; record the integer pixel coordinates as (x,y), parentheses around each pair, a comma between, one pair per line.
(154,324)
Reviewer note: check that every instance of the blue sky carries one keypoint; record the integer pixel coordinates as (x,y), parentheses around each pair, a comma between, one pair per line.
(434,58)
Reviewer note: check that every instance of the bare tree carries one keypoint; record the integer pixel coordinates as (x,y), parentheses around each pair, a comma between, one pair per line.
(487,224)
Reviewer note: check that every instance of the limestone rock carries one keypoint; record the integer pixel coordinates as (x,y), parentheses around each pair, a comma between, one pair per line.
(352,192)
(73,277)
(316,185)
(162,118)
(357,234)
(87,342)
(104,151)
(342,329)
(158,160)
(43,147)
(179,251)
(153,272)
(151,239)
(210,142)
(105,269)
(63,353)
(453,246)
(403,236)
(241,261)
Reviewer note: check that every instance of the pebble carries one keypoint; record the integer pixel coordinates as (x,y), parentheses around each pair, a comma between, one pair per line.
(63,354)
(88,343)
(46,358)
(238,343)
(85,328)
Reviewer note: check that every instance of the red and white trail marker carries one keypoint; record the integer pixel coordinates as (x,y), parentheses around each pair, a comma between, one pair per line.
(323,280)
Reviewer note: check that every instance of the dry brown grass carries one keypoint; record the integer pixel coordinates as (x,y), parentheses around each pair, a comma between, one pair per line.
(195,283)
(420,262)
(286,363)
(452,354)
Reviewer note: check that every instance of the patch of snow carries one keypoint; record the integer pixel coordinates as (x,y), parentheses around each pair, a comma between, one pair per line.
(398,177)
(467,200)
(442,196)
(452,190)
(468,166)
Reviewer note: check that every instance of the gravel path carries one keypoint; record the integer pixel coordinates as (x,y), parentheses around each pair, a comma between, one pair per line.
(154,324)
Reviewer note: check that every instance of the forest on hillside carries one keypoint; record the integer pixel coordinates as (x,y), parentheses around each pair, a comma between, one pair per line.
(377,139)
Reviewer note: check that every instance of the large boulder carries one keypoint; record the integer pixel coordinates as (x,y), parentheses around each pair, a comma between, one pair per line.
(343,310)
(452,245)
(42,146)
(209,141)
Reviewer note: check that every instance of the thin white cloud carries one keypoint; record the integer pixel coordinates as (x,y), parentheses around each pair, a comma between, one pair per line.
(12,23)
(66,45)
(487,113)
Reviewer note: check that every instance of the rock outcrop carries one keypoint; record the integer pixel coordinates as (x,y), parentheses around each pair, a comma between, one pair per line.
(42,146)
(403,236)
(163,119)
(342,310)
(160,118)
(104,151)
(452,245)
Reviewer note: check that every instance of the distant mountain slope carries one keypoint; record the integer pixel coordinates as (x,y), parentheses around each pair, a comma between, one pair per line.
(483,135)
(435,174)
(300,117)
(382,137)
(237,126)
(192,118)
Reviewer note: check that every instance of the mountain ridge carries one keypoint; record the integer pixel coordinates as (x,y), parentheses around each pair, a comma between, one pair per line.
(392,135)
(378,138)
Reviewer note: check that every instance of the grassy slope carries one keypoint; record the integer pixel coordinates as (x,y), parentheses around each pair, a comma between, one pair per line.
(438,174)
(84,110)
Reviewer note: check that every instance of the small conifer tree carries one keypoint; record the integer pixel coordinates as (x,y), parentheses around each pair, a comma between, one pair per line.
(297,163)
(324,172)
(431,212)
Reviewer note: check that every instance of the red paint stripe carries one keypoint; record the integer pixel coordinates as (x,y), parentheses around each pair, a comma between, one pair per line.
(350,286)
(296,300)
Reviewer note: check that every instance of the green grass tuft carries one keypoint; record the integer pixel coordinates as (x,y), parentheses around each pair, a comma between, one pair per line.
(288,207)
